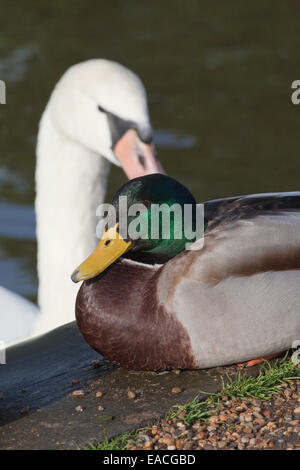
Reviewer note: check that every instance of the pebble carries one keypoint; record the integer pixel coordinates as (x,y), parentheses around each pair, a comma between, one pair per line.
(222,444)
(99,394)
(79,408)
(25,410)
(168,441)
(131,395)
(176,390)
(147,445)
(154,430)
(211,428)
(214,419)
(248,429)
(180,425)
(179,444)
(248,418)
(78,394)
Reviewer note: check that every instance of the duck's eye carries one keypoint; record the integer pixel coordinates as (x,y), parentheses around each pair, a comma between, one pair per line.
(107,242)
(101,109)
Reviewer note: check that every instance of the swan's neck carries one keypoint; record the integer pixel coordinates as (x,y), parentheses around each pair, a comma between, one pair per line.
(70,184)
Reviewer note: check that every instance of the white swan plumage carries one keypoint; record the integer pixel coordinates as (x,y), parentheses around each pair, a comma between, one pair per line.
(97,114)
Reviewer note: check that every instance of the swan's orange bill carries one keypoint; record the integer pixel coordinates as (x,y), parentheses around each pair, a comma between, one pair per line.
(109,249)
(136,157)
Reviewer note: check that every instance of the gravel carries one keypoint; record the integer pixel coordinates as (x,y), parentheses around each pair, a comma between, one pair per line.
(235,424)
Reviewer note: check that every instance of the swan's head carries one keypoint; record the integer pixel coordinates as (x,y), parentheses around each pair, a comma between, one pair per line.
(102,105)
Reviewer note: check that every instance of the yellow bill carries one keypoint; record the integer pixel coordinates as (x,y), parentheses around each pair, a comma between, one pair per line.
(108,250)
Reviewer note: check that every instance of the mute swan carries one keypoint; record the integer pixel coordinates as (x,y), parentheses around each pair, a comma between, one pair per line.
(97,109)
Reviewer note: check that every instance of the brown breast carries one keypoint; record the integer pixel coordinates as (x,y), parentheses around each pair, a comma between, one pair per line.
(119,316)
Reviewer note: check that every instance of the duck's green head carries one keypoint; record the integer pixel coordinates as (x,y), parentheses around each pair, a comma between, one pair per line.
(153,213)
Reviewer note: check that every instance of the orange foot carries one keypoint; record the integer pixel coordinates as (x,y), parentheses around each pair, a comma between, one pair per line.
(259,360)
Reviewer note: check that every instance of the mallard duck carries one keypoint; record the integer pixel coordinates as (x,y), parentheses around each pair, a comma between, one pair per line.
(97,114)
(229,300)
